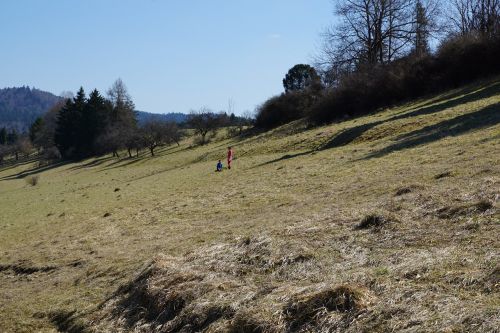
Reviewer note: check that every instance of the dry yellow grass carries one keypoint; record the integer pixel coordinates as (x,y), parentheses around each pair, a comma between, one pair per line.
(158,244)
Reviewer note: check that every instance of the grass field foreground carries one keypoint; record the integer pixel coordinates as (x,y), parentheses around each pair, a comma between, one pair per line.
(388,222)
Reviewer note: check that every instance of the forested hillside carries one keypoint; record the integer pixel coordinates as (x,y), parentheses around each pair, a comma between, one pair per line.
(19,107)
(144,117)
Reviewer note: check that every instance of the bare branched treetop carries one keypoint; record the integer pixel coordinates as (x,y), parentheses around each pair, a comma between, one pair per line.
(371,32)
(119,96)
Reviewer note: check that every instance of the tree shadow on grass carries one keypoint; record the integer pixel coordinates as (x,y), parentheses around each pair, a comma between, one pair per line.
(484,118)
(33,171)
(94,163)
(10,164)
(458,92)
(285,157)
(349,135)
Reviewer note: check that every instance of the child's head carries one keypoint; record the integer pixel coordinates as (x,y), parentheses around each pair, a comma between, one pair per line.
(229,147)
(219,161)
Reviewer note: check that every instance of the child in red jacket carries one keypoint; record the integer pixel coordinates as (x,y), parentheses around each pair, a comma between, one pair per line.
(230,155)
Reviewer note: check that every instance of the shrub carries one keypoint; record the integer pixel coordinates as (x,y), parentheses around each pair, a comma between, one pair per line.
(51,153)
(281,109)
(32,180)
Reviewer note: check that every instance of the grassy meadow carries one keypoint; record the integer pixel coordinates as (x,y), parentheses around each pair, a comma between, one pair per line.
(384,223)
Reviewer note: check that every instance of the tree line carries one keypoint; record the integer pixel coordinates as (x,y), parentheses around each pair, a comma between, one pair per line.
(84,126)
(381,52)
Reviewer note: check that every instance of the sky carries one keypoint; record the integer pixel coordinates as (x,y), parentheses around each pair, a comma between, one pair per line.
(173,55)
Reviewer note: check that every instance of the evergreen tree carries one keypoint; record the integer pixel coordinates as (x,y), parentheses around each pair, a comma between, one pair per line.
(35,129)
(300,77)
(3,136)
(421,29)
(68,129)
(93,122)
(12,136)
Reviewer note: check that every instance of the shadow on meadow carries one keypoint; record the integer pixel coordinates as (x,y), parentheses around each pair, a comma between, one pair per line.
(38,169)
(349,135)
(486,117)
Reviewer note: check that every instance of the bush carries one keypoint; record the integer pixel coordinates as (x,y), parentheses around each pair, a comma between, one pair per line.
(32,180)
(51,153)
(279,110)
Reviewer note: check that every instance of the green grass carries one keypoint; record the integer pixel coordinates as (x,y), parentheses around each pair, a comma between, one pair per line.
(303,191)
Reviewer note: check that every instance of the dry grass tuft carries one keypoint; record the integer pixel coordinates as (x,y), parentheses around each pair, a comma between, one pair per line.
(246,323)
(443,175)
(373,221)
(32,180)
(492,280)
(219,286)
(303,309)
(478,207)
(407,189)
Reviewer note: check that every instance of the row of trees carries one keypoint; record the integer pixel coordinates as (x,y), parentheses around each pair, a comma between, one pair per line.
(11,143)
(206,123)
(84,126)
(94,125)
(381,52)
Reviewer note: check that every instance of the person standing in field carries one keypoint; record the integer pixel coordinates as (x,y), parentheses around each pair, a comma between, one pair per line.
(230,155)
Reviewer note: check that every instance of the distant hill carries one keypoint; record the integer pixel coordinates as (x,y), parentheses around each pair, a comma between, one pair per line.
(19,107)
(143,117)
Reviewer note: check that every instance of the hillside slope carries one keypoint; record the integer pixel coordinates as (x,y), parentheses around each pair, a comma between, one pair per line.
(388,222)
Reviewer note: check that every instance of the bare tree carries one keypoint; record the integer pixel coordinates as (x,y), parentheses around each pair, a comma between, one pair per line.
(476,16)
(123,113)
(45,137)
(204,121)
(5,150)
(22,146)
(371,32)
(158,133)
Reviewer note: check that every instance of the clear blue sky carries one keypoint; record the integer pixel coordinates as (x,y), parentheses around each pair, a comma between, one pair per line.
(173,55)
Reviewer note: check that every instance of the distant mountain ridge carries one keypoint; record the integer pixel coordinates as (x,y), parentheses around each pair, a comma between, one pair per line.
(19,107)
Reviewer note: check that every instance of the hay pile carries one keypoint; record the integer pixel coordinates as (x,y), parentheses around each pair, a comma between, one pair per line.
(221,288)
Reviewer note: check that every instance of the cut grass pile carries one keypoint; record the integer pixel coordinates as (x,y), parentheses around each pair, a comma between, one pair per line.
(341,228)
